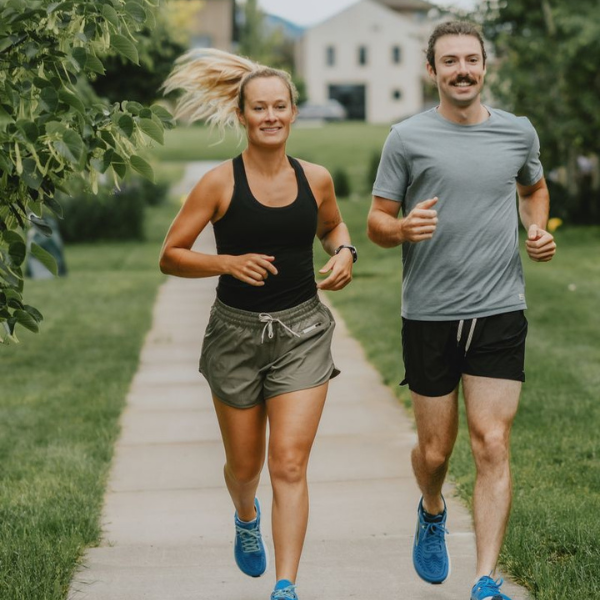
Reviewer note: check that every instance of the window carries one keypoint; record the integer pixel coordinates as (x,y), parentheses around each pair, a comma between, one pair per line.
(362,55)
(396,55)
(330,56)
(397,94)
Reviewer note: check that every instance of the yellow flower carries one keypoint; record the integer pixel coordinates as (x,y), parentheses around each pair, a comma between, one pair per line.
(554,224)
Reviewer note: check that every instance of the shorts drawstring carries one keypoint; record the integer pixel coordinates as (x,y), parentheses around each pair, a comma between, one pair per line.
(469,337)
(268,320)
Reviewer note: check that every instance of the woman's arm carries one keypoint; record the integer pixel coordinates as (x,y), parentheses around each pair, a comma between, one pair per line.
(207,202)
(331,230)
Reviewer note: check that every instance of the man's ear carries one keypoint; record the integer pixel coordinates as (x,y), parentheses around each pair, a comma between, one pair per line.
(432,73)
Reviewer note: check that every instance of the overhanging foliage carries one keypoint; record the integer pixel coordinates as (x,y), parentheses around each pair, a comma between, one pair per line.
(54,128)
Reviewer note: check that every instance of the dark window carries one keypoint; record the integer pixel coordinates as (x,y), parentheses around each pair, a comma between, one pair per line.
(352,97)
(330,56)
(396,55)
(362,55)
(396,94)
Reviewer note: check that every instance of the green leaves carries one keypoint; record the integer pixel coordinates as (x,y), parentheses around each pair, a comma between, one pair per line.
(52,126)
(142,167)
(70,146)
(152,129)
(45,258)
(125,47)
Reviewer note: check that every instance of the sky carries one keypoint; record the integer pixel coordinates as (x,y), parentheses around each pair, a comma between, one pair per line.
(310,12)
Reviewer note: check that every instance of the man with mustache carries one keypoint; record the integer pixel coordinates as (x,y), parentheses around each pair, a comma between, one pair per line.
(455,172)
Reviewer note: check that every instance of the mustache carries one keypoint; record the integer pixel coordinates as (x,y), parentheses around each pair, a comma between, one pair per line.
(464,79)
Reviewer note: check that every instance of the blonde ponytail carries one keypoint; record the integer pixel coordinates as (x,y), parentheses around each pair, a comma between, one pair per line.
(213,83)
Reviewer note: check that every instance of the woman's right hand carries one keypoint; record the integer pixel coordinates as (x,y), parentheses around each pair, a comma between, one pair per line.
(251,268)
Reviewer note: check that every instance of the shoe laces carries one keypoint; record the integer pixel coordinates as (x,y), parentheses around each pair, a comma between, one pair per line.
(487,587)
(249,538)
(286,593)
(433,537)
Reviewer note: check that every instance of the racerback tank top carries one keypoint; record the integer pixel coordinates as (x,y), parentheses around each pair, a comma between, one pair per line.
(285,232)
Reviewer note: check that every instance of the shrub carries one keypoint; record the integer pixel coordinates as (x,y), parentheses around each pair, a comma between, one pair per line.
(341,183)
(110,214)
(372,170)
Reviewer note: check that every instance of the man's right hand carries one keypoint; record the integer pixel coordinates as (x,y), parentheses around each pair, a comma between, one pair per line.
(421,222)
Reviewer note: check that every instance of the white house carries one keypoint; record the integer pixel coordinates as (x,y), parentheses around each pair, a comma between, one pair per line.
(370,58)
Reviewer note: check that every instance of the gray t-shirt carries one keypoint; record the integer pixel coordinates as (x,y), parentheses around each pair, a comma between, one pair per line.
(471,267)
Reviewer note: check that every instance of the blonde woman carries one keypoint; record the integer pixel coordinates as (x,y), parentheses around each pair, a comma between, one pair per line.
(267,348)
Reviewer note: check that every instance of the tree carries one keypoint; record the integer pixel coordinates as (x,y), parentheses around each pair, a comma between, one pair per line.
(53,128)
(158,48)
(546,68)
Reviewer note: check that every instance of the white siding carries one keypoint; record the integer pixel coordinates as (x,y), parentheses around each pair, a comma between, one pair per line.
(378,29)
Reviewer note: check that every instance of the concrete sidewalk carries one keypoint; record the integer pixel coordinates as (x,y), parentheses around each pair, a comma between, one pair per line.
(168,520)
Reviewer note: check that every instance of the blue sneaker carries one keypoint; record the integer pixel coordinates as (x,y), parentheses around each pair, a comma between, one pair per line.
(486,588)
(286,593)
(430,554)
(249,550)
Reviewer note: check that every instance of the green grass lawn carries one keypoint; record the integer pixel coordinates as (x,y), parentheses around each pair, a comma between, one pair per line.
(333,145)
(553,541)
(62,392)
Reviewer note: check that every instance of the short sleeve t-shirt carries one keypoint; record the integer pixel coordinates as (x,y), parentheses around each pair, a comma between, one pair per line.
(471,267)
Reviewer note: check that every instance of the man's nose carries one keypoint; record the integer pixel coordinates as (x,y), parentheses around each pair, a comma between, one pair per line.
(463,67)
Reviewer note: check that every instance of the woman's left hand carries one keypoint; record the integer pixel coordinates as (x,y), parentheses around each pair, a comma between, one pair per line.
(340,269)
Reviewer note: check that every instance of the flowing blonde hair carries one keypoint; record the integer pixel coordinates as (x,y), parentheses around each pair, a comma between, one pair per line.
(213,84)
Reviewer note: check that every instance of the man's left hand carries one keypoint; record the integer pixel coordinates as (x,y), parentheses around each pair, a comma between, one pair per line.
(540,244)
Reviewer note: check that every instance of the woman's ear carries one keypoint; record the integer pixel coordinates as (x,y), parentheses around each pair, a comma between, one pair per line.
(240,116)
(294,113)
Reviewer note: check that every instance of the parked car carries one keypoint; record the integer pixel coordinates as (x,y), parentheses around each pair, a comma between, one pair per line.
(332,110)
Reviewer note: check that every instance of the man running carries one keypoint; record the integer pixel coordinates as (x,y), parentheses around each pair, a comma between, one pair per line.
(455,172)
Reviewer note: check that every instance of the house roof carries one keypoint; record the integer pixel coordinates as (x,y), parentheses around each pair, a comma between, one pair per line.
(407,5)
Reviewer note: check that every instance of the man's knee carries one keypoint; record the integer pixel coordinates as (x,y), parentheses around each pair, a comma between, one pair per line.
(434,455)
(490,447)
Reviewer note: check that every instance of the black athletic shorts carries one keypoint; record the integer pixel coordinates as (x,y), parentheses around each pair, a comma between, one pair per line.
(437,353)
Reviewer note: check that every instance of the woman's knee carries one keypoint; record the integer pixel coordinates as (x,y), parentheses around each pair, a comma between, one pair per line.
(243,472)
(287,467)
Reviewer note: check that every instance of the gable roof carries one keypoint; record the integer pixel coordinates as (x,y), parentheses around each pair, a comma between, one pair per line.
(407,5)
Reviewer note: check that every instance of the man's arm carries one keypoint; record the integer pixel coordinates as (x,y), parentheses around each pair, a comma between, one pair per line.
(388,231)
(534,205)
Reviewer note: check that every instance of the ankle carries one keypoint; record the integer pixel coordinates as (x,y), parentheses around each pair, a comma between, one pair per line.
(283,583)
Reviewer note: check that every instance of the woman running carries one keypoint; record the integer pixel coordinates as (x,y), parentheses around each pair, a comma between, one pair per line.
(266,353)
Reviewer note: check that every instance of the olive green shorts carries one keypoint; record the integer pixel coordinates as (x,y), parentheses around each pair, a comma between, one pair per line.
(249,357)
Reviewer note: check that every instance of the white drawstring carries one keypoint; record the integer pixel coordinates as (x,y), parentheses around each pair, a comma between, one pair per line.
(469,337)
(268,320)
(471,331)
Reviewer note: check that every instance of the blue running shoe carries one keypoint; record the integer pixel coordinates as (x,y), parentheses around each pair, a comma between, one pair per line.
(249,550)
(286,593)
(486,588)
(430,554)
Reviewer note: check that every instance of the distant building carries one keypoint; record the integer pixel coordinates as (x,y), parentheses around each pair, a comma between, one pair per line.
(215,26)
(370,58)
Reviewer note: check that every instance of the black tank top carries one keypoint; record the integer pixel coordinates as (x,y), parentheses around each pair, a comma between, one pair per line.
(285,232)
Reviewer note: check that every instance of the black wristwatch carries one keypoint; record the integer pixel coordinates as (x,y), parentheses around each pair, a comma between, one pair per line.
(352,250)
